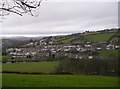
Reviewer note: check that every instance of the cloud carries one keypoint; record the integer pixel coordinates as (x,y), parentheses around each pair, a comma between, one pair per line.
(64,17)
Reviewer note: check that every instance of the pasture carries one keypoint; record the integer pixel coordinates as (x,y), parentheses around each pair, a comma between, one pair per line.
(99,37)
(22,80)
(30,80)
(93,36)
(44,67)
(110,53)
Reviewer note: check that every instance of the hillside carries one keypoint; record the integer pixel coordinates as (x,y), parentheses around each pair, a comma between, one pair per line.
(78,44)
(78,38)
(13,43)
(104,35)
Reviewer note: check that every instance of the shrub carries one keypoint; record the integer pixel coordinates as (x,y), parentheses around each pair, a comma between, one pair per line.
(96,66)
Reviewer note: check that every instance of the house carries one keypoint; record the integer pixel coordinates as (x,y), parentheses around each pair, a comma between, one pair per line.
(53,43)
(117,46)
(66,50)
(110,47)
(30,44)
(89,42)
(87,45)
(98,48)
(90,57)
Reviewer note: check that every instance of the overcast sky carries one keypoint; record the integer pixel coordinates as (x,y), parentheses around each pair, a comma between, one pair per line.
(64,17)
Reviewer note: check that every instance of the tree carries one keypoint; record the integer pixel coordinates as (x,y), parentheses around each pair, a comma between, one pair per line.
(19,7)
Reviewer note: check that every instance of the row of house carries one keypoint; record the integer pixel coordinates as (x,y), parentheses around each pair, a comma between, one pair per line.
(67,49)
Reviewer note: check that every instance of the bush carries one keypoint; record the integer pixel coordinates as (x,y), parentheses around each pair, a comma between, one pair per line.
(96,66)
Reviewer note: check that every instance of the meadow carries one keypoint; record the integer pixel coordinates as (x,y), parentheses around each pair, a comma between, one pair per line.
(5,58)
(22,80)
(99,37)
(93,36)
(44,67)
(110,53)
(30,80)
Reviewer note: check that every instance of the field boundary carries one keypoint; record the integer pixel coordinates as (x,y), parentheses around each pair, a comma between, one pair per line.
(51,73)
(38,73)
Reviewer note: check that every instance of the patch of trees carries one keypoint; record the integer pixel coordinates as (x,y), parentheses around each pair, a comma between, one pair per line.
(13,43)
(4,51)
(98,66)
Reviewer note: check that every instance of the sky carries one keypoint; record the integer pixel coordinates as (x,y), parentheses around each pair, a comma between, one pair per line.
(63,17)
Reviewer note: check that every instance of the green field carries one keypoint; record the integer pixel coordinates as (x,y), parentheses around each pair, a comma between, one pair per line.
(0,79)
(110,53)
(28,80)
(68,40)
(5,58)
(93,36)
(44,67)
(117,39)
(99,37)
(22,80)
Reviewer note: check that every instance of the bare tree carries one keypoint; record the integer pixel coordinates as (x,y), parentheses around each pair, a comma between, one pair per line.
(19,7)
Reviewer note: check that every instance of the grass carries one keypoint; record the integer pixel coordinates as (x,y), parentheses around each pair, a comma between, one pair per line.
(44,67)
(5,58)
(91,36)
(94,37)
(117,39)
(0,74)
(22,80)
(69,40)
(60,39)
(99,37)
(0,79)
(110,53)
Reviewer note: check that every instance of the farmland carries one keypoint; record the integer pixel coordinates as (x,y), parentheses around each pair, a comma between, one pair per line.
(29,80)
(69,40)
(110,53)
(5,58)
(93,36)
(99,37)
(45,67)
(21,80)
(86,59)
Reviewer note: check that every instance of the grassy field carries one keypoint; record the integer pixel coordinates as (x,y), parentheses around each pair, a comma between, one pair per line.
(22,80)
(0,79)
(5,58)
(68,40)
(110,53)
(95,37)
(44,67)
(117,39)
(26,80)
(99,37)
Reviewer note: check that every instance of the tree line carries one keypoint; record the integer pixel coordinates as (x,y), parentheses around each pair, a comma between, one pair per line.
(85,66)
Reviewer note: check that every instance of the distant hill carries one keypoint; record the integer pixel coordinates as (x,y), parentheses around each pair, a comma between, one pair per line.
(23,38)
(103,35)
(12,43)
(77,38)
(17,41)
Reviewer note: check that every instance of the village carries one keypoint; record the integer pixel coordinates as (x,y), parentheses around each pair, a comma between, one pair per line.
(59,43)
(43,48)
